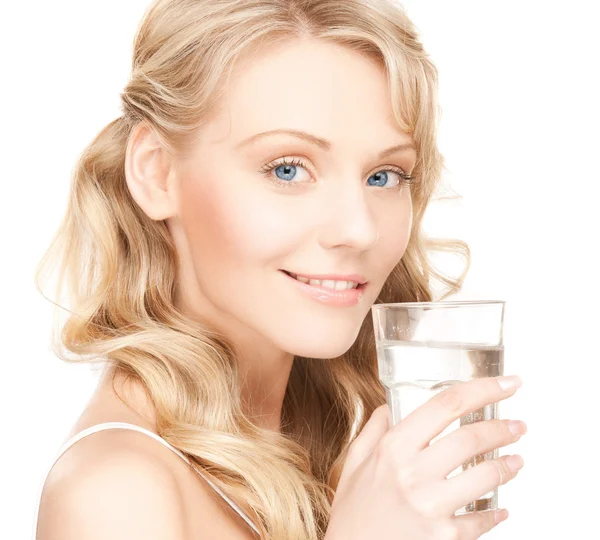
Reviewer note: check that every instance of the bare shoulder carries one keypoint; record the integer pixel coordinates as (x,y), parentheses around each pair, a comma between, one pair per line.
(112,484)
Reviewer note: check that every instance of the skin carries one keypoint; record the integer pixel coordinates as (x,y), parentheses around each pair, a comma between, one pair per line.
(235,230)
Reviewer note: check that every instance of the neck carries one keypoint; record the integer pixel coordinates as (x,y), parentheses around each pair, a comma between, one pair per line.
(263,390)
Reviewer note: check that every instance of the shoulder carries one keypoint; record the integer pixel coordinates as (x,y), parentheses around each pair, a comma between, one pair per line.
(112,484)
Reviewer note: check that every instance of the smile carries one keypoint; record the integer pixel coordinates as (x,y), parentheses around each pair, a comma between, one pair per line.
(332,292)
(336,285)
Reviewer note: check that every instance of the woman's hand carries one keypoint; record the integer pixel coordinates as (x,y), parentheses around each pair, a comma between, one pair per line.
(394,483)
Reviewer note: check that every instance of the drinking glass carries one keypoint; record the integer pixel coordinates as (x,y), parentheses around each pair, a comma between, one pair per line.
(426,347)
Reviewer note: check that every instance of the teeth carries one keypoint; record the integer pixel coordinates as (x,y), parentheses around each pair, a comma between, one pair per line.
(327,283)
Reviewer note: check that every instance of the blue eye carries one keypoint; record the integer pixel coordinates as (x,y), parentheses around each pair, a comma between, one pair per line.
(286,170)
(382,176)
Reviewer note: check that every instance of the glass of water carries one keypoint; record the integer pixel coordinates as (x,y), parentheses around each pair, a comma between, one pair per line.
(426,347)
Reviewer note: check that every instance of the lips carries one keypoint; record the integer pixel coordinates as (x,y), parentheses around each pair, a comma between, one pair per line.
(359,288)
(326,295)
(357,278)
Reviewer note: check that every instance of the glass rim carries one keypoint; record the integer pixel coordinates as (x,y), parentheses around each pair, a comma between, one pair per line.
(442,303)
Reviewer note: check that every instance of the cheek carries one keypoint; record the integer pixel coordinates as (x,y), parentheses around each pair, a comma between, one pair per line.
(231,230)
(395,234)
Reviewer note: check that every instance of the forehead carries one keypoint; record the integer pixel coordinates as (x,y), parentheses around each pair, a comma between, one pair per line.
(309,85)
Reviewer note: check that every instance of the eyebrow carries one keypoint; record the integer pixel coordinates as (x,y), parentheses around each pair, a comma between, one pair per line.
(318,141)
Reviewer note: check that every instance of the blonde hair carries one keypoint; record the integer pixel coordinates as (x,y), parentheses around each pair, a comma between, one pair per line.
(119,267)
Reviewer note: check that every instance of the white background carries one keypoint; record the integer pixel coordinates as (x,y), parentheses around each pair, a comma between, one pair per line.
(519,92)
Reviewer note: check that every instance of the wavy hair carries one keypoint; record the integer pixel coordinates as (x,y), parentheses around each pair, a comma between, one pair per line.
(117,268)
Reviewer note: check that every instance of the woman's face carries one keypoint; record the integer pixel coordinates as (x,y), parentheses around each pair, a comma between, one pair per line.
(243,218)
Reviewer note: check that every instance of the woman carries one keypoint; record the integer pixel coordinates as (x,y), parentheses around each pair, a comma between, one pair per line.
(224,242)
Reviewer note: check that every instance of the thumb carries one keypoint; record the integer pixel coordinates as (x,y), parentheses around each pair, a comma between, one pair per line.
(378,424)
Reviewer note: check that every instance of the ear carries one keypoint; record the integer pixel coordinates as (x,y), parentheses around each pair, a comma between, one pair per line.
(149,173)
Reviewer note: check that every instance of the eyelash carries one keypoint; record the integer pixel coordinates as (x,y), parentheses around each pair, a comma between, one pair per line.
(266,170)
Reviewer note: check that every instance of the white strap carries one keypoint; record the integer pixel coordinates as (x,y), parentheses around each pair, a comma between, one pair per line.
(125,425)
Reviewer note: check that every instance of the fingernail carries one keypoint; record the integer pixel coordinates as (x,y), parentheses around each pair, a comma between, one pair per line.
(517,427)
(513,381)
(514,462)
(501,515)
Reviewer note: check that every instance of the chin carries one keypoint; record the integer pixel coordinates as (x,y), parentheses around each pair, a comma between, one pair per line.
(321,346)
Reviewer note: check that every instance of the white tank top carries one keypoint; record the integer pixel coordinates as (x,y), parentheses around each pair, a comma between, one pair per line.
(125,425)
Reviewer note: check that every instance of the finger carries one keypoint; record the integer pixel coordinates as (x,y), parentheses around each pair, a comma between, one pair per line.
(377,425)
(471,484)
(444,455)
(430,419)
(471,526)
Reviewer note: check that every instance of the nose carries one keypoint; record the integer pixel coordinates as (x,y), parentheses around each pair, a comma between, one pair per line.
(350,220)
